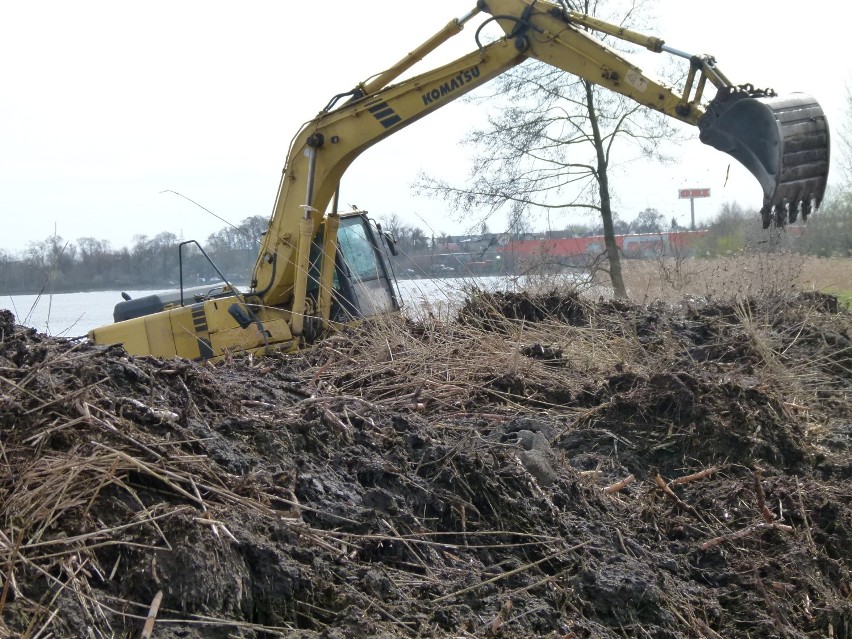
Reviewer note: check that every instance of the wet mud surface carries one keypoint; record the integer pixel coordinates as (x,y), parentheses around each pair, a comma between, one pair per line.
(542,466)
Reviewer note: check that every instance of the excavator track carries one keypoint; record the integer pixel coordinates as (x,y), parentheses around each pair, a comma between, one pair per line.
(782,140)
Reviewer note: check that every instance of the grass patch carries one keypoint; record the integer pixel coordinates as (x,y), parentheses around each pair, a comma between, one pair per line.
(737,277)
(844,297)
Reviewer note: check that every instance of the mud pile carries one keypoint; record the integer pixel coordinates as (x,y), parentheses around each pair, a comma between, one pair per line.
(543,466)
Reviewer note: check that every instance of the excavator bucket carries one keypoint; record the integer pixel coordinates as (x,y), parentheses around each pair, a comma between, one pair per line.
(782,141)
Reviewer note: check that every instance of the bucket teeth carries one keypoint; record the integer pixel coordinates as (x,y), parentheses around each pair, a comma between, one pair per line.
(766,216)
(787,212)
(806,209)
(794,211)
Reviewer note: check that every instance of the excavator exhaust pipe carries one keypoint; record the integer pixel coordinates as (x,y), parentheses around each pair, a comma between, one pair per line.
(782,141)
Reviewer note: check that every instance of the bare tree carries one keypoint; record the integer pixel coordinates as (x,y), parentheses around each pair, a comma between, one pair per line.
(419,240)
(243,237)
(406,236)
(5,263)
(51,257)
(95,259)
(155,258)
(519,226)
(648,221)
(845,144)
(551,146)
(394,225)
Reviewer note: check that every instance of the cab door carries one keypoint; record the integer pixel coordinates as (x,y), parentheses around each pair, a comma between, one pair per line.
(364,281)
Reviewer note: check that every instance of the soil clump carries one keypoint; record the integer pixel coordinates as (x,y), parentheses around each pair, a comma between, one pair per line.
(541,466)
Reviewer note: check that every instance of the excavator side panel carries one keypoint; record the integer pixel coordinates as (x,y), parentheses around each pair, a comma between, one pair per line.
(204,330)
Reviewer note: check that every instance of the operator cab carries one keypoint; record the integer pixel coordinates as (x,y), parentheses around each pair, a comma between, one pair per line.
(364,284)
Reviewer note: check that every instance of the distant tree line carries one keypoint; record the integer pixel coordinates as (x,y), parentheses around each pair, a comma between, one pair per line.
(828,232)
(56,265)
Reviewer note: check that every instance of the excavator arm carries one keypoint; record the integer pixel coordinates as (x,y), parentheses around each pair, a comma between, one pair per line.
(782,141)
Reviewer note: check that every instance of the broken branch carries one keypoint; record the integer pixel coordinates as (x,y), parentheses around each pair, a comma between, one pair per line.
(619,485)
(745,532)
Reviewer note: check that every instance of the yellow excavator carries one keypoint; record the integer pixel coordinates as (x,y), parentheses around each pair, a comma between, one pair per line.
(318,267)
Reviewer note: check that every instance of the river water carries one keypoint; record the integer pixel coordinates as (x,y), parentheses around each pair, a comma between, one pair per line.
(74,314)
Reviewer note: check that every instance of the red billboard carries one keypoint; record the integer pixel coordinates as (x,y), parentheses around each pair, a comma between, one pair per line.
(688,194)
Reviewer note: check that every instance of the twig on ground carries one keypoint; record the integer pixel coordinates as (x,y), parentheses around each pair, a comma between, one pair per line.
(686,479)
(619,485)
(152,616)
(745,532)
(508,574)
(671,495)
(768,517)
(805,516)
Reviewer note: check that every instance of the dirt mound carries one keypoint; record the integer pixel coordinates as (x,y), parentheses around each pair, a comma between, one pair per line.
(612,471)
(489,308)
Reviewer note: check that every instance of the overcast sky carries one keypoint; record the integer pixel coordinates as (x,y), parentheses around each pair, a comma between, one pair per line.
(106,104)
